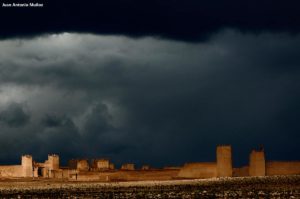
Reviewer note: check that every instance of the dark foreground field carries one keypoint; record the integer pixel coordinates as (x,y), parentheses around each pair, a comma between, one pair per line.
(255,187)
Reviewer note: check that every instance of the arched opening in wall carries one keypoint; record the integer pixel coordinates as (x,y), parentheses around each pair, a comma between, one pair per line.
(40,171)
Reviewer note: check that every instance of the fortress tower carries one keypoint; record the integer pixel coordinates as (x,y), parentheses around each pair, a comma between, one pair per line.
(53,162)
(257,165)
(27,169)
(224,161)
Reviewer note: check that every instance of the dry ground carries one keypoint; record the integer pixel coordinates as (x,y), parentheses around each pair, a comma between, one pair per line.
(248,187)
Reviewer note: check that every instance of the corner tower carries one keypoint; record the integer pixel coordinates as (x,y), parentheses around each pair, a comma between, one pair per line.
(224,161)
(27,169)
(53,162)
(257,164)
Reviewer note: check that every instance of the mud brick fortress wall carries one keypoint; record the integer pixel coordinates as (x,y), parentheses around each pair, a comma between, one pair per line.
(221,168)
(258,166)
(11,171)
(29,168)
(282,168)
(199,170)
(104,170)
(224,161)
(23,170)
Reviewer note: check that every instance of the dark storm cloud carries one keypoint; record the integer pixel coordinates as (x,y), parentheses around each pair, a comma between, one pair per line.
(14,116)
(152,101)
(53,121)
(59,134)
(100,132)
(188,20)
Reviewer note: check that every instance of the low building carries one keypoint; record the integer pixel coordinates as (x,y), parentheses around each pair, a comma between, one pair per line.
(100,164)
(145,167)
(128,166)
(111,166)
(79,164)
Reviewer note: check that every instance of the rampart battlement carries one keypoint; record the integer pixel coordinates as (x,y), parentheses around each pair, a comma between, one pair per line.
(103,168)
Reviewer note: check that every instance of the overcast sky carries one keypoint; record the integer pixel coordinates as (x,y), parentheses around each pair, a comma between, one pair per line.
(149,84)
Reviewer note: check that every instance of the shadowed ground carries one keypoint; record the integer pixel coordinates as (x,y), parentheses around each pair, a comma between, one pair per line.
(248,187)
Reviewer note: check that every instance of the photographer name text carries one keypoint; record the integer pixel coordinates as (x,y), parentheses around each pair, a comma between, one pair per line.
(22,5)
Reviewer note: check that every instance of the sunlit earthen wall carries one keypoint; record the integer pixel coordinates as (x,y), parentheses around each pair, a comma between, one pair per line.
(11,171)
(27,166)
(257,162)
(241,172)
(282,168)
(198,170)
(224,161)
(53,162)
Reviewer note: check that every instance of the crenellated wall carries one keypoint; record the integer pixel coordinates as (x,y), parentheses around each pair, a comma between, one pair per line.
(103,169)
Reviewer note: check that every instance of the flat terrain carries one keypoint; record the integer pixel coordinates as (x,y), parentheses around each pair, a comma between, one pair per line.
(248,187)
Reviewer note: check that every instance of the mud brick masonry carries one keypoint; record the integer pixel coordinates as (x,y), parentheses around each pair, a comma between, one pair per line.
(103,170)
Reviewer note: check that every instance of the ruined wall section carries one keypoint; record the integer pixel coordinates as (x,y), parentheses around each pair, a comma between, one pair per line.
(282,168)
(257,164)
(128,166)
(79,164)
(198,170)
(224,161)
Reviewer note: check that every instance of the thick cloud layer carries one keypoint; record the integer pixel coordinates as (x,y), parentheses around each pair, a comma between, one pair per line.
(149,100)
(190,20)
(14,116)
